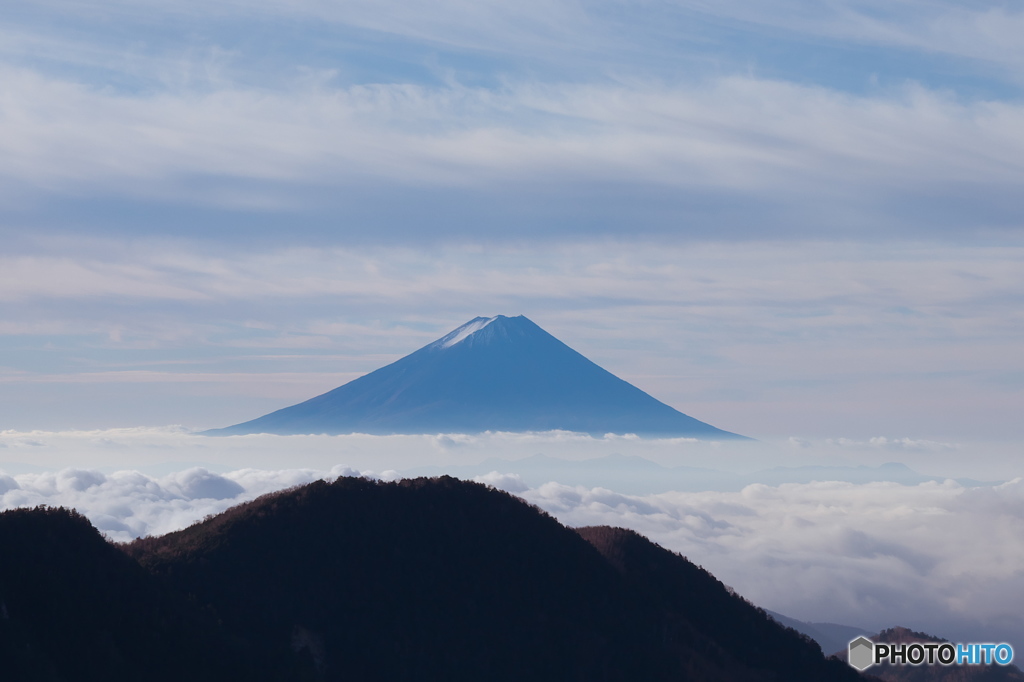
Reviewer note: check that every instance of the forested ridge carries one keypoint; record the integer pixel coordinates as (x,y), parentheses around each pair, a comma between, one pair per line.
(423,579)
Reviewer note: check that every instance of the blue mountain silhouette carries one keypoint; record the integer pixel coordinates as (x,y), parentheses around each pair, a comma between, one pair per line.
(491,374)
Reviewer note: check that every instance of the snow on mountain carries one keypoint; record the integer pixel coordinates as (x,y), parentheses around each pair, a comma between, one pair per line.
(463,332)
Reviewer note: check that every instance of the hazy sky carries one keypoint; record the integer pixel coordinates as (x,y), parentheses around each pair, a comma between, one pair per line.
(786,218)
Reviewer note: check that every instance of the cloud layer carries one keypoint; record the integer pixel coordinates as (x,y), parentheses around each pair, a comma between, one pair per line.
(789,158)
(161,451)
(936,557)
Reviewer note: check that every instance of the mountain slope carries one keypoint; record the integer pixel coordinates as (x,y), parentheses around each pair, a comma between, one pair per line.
(74,608)
(694,605)
(426,579)
(446,579)
(417,580)
(490,374)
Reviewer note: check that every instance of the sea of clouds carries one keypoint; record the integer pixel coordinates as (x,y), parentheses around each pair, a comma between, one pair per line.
(938,556)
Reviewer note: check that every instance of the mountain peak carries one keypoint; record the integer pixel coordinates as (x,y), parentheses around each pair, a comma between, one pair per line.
(465,331)
(490,374)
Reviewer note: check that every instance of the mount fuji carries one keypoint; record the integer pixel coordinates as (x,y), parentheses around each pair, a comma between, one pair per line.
(491,374)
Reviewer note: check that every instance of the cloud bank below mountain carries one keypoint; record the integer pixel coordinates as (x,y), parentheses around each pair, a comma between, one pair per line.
(938,556)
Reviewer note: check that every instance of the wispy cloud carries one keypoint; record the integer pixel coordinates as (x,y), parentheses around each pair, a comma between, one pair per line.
(492,121)
(976,30)
(567,29)
(796,148)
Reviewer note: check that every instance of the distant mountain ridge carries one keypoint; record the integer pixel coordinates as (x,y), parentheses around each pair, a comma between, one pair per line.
(490,374)
(831,637)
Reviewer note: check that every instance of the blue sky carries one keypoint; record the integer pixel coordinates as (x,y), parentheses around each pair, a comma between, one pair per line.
(782,217)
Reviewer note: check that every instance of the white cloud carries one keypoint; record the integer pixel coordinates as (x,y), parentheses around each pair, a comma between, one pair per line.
(510,483)
(161,450)
(198,483)
(127,504)
(935,557)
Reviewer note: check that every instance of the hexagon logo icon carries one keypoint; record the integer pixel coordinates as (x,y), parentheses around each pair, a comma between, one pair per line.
(861,653)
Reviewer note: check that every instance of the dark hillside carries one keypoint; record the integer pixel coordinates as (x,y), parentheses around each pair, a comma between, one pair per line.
(426,579)
(693,603)
(386,581)
(73,607)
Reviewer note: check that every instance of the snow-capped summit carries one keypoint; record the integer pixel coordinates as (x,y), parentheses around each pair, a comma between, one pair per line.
(466,330)
(491,374)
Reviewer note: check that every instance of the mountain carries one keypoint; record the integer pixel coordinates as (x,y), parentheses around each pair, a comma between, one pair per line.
(425,579)
(829,636)
(491,374)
